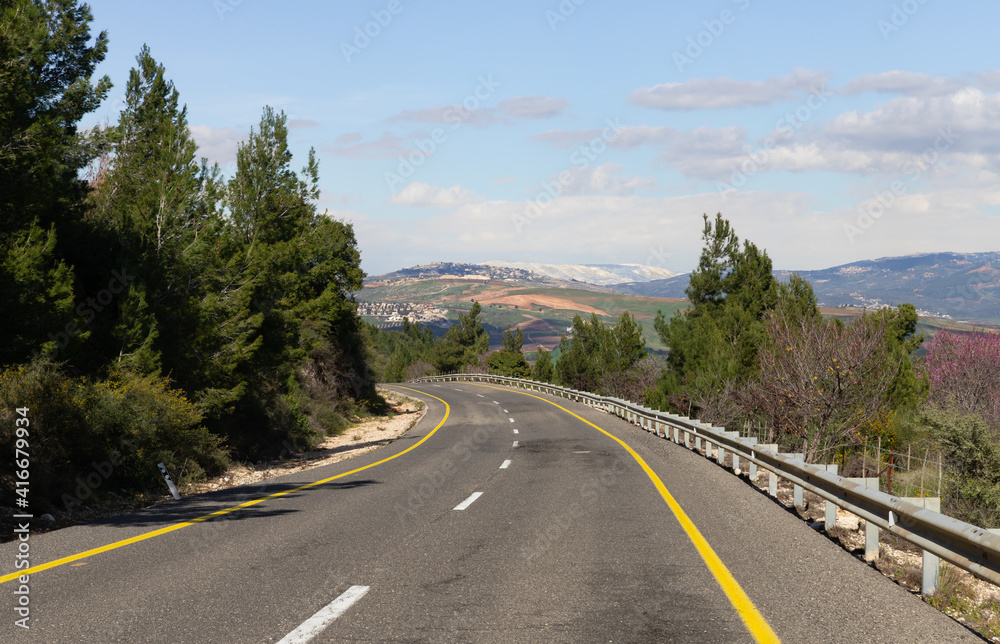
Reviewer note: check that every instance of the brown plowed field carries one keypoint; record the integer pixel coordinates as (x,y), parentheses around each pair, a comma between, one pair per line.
(526,301)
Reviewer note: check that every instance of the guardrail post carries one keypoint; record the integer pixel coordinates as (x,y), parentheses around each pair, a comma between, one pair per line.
(931,568)
(871,530)
(750,442)
(736,457)
(796,489)
(830,509)
(720,450)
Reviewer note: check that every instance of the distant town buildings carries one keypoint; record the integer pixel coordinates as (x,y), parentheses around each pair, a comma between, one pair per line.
(396,311)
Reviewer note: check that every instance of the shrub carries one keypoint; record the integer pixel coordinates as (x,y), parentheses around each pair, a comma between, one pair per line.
(972,491)
(95,436)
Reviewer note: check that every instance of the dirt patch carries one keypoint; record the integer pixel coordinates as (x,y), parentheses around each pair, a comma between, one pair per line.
(362,438)
(490,291)
(548,301)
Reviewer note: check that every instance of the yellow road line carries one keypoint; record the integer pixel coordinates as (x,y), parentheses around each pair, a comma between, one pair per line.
(177,526)
(754,621)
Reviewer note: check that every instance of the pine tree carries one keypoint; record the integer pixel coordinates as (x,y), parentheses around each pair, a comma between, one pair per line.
(509,360)
(714,343)
(47,59)
(147,207)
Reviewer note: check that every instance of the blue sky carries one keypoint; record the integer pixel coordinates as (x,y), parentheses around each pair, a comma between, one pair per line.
(599,132)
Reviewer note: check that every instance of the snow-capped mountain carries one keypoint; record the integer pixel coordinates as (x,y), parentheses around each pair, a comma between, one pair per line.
(601,274)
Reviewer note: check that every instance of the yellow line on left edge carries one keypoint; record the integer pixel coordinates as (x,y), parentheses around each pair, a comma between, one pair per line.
(752,619)
(177,526)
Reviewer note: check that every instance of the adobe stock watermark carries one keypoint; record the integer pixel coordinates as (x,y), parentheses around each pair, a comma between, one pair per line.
(562,12)
(208,532)
(901,14)
(789,126)
(89,308)
(657,257)
(365,34)
(435,481)
(222,7)
(873,208)
(582,157)
(456,115)
(699,43)
(559,525)
(88,483)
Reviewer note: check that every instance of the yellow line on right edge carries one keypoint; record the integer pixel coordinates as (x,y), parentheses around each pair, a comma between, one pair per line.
(751,617)
(177,526)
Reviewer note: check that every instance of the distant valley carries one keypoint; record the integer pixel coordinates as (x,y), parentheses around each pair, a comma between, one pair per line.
(541,299)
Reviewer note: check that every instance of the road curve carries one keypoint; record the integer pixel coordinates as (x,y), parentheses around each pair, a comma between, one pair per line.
(503,516)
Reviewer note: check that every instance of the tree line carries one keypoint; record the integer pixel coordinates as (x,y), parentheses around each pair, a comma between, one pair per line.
(755,354)
(153,309)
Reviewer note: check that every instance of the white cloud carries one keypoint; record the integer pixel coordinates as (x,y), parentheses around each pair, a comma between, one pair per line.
(911,124)
(217,144)
(424,195)
(905,83)
(532,107)
(298,123)
(716,93)
(601,179)
(601,228)
(506,112)
(350,145)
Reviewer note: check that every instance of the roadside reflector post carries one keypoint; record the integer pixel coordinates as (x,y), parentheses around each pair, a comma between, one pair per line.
(170,483)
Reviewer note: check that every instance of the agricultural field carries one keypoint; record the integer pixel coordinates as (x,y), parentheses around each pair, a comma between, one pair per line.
(544,314)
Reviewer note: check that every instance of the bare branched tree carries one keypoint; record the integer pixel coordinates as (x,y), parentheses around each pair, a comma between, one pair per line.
(822,383)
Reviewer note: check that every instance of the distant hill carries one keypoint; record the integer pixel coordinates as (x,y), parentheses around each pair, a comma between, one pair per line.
(478,272)
(601,274)
(958,286)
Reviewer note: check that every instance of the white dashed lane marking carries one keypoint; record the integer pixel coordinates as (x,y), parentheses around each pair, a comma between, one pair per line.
(505,464)
(318,622)
(469,501)
(515,444)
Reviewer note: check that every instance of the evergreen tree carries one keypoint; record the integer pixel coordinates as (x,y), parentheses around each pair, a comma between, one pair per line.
(509,360)
(542,370)
(147,207)
(714,343)
(47,59)
(462,343)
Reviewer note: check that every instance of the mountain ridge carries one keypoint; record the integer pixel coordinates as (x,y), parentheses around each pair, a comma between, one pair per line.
(960,286)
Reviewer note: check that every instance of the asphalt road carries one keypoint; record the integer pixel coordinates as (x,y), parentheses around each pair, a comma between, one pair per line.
(569,539)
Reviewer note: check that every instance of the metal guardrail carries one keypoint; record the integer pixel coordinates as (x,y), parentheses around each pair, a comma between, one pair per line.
(969,547)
